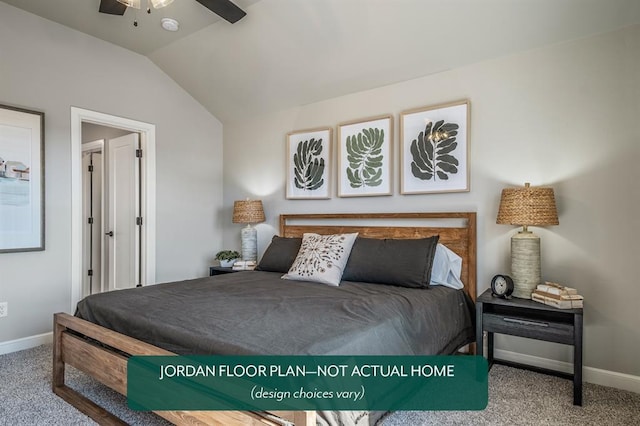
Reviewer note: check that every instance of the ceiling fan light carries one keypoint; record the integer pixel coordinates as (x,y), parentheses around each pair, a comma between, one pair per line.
(131,3)
(157,4)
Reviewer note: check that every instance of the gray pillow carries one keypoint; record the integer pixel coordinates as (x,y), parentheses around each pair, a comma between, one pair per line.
(405,263)
(280,254)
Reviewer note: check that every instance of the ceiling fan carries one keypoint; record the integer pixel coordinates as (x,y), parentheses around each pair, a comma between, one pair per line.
(223,8)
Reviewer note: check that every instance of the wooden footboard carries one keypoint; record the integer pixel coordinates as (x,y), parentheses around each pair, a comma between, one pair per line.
(104,358)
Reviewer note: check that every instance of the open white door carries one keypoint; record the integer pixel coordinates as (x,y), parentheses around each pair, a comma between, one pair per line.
(92,222)
(122,232)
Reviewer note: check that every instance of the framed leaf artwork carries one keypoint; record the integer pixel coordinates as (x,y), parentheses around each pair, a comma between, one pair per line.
(365,157)
(308,164)
(434,150)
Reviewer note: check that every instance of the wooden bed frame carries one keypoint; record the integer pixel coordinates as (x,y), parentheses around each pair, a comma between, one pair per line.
(102,353)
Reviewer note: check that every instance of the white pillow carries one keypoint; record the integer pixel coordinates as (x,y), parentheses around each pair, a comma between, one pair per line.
(321,258)
(447,267)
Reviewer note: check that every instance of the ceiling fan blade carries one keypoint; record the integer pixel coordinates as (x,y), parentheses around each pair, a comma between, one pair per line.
(112,7)
(224,8)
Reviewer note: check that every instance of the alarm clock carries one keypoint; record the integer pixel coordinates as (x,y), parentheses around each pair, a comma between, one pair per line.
(502,286)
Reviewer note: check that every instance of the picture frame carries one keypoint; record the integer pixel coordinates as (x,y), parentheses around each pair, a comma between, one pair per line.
(365,157)
(21,180)
(434,149)
(309,164)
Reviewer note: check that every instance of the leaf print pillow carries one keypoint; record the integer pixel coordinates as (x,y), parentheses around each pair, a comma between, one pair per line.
(321,258)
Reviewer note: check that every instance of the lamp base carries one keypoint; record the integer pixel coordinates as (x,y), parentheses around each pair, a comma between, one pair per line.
(525,264)
(249,236)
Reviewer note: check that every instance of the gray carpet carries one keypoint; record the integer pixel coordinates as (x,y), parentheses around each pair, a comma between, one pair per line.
(516,397)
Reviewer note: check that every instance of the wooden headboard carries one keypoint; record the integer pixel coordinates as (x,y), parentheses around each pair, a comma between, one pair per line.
(457,231)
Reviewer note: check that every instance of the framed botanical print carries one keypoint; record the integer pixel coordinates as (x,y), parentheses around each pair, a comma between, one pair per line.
(434,149)
(21,179)
(308,164)
(365,157)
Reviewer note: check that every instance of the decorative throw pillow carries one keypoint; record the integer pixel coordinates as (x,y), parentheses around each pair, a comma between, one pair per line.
(321,258)
(280,254)
(401,262)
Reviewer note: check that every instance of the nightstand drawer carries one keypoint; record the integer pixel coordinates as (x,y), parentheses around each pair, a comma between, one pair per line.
(219,270)
(558,332)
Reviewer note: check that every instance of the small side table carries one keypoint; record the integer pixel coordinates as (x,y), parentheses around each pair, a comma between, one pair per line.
(219,270)
(533,320)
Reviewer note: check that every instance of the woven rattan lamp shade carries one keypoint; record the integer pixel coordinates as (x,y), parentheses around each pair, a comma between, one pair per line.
(527,206)
(248,211)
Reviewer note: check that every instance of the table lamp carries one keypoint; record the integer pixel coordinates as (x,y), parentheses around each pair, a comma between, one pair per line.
(526,206)
(248,211)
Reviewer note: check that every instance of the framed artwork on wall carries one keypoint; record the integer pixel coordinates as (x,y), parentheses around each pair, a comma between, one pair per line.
(21,180)
(365,157)
(434,149)
(309,164)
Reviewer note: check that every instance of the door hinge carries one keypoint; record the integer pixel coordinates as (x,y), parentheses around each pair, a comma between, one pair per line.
(90,221)
(90,272)
(90,168)
(139,220)
(138,153)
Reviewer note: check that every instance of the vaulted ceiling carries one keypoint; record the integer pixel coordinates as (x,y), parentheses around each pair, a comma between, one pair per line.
(287,53)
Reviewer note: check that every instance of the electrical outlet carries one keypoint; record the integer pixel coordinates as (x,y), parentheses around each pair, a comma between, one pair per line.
(4,309)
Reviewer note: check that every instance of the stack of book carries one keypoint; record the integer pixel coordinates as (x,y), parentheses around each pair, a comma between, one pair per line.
(556,295)
(244,265)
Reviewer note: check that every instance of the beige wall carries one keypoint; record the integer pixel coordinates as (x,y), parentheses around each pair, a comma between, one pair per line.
(50,68)
(565,116)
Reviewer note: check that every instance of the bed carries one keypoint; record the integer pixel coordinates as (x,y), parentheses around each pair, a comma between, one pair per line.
(113,328)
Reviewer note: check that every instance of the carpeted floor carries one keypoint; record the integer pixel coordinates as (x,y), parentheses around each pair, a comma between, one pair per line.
(516,397)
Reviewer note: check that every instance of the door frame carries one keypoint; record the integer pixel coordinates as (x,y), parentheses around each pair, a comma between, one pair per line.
(148,174)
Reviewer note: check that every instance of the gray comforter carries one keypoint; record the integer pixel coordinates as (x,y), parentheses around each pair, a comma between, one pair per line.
(257,313)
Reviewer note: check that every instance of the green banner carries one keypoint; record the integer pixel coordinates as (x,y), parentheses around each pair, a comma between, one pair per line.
(307,383)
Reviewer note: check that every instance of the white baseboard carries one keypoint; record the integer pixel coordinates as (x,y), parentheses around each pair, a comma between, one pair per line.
(589,374)
(25,343)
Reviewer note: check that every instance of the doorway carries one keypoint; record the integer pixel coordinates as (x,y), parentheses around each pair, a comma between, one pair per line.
(144,272)
(111,214)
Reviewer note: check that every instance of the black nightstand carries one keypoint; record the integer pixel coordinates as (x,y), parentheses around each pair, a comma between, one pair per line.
(533,320)
(219,270)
